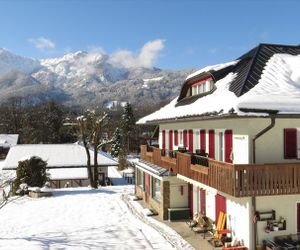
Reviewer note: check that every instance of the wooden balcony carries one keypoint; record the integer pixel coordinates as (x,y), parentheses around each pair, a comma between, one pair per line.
(234,179)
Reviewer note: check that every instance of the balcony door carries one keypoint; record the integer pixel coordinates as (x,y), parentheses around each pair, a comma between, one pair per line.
(220,205)
(219,145)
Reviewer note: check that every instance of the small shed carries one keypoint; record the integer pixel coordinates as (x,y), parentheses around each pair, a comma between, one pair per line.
(66,163)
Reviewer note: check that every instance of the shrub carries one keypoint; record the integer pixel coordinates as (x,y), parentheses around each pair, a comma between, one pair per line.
(31,171)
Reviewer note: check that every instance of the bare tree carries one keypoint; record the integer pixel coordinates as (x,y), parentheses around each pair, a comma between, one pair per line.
(91,132)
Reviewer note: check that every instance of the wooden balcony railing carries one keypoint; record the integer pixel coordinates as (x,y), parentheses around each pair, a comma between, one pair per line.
(236,180)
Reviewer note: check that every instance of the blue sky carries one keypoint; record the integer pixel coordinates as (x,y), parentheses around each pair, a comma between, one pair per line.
(186,34)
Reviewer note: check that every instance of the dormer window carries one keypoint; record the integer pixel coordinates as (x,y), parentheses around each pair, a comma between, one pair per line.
(202,86)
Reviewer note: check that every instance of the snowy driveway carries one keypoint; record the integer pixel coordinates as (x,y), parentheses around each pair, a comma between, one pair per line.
(76,219)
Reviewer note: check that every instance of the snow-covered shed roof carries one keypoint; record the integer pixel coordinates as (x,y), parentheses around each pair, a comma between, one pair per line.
(8,140)
(267,78)
(68,173)
(57,156)
(157,170)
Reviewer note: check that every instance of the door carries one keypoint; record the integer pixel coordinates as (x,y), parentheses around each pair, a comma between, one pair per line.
(219,146)
(202,201)
(220,205)
(147,187)
(298,217)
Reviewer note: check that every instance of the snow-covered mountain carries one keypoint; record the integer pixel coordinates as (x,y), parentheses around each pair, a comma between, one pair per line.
(85,78)
(10,61)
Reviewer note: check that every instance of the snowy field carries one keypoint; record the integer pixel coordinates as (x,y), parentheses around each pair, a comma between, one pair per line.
(80,218)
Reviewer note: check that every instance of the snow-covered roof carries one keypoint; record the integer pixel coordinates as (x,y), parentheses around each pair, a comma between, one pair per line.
(278,89)
(68,173)
(212,67)
(56,155)
(8,140)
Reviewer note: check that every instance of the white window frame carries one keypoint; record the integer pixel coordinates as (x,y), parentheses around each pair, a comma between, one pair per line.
(217,144)
(156,195)
(180,137)
(141,179)
(196,138)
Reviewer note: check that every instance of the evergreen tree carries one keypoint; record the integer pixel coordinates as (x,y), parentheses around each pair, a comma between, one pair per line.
(122,159)
(116,144)
(127,125)
(32,172)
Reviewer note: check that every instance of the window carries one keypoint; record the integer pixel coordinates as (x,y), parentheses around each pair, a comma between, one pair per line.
(197,139)
(139,178)
(290,143)
(155,189)
(202,86)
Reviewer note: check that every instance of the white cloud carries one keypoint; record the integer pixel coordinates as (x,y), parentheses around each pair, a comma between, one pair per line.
(42,43)
(145,58)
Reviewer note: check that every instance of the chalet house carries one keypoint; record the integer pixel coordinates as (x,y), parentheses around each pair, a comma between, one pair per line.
(7,141)
(232,135)
(66,163)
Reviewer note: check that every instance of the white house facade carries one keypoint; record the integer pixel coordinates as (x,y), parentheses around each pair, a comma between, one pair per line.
(233,136)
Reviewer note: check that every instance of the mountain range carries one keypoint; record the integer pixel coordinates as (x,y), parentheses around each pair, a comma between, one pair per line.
(85,79)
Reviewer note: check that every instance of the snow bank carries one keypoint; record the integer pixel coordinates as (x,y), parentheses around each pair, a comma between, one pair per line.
(76,218)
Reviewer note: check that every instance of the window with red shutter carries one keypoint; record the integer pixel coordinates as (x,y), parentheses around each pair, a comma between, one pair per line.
(163,139)
(176,137)
(202,140)
(191,141)
(228,146)
(211,142)
(185,138)
(290,143)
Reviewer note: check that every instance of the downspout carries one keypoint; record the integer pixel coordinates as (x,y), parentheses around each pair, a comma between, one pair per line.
(259,134)
(265,130)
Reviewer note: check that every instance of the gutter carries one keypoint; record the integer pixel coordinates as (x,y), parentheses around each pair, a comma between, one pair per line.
(259,134)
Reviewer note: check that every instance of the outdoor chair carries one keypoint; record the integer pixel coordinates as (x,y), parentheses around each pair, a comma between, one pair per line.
(194,221)
(204,225)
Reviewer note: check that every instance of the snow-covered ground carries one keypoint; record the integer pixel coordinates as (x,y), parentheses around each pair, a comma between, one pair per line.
(81,218)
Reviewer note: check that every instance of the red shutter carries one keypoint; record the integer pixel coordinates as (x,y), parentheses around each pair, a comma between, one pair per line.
(185,138)
(220,205)
(202,140)
(163,139)
(211,141)
(191,143)
(228,146)
(176,137)
(170,140)
(202,201)
(290,143)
